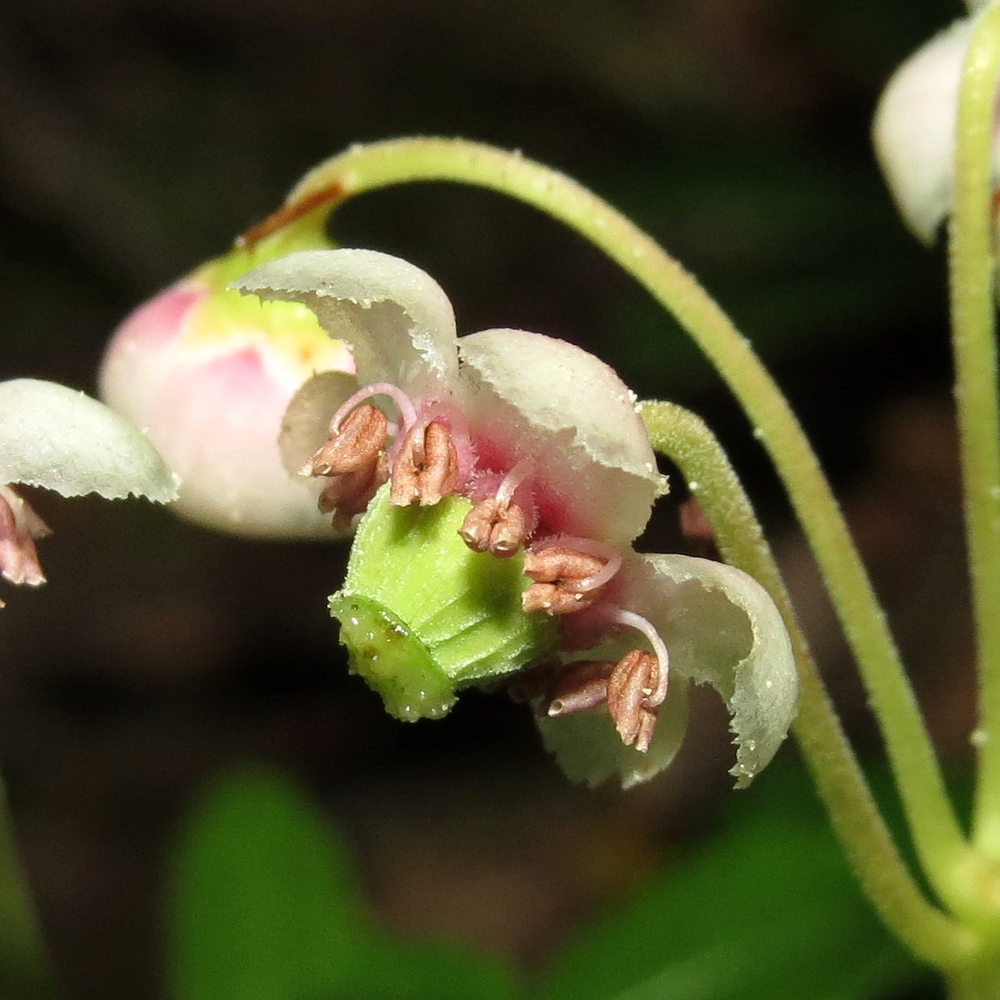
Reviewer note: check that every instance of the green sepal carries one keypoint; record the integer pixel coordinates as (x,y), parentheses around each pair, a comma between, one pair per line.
(225,307)
(423,616)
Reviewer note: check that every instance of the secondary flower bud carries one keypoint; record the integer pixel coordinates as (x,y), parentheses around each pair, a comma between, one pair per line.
(914,129)
(208,374)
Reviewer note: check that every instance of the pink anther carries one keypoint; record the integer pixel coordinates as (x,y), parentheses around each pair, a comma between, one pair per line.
(643,625)
(589,547)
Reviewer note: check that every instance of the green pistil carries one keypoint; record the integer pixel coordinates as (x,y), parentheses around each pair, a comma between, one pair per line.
(423,616)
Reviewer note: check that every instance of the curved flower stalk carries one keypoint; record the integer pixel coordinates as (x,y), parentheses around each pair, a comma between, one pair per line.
(62,440)
(208,374)
(915,127)
(497,482)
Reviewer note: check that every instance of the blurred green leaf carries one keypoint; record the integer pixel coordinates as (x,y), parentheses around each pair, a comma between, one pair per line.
(769,909)
(24,974)
(264,906)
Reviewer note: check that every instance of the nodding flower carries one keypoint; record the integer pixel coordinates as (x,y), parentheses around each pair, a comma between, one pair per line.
(495,484)
(62,440)
(914,128)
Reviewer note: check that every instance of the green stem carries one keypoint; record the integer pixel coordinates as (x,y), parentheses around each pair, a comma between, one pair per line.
(936,833)
(931,935)
(974,341)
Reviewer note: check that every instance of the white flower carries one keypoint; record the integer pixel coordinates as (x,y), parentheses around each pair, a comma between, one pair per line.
(512,449)
(914,129)
(63,440)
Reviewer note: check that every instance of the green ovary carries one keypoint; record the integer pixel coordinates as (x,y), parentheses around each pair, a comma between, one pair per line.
(423,616)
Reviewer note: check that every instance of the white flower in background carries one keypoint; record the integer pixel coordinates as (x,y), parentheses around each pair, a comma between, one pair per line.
(62,440)
(914,129)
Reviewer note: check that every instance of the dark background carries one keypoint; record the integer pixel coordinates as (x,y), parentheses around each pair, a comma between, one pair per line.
(136,139)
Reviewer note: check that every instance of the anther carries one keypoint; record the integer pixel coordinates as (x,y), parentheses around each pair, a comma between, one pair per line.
(658,691)
(632,681)
(349,494)
(19,527)
(353,446)
(494,527)
(426,468)
(553,600)
(580,686)
(568,575)
(495,524)
(696,527)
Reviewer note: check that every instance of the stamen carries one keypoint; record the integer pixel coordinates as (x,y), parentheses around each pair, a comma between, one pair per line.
(552,569)
(568,573)
(656,695)
(694,523)
(488,527)
(495,524)
(553,600)
(355,445)
(610,556)
(354,455)
(509,484)
(426,468)
(579,687)
(19,527)
(349,494)
(627,688)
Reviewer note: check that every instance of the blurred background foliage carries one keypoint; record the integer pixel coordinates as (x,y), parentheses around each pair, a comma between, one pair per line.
(138,137)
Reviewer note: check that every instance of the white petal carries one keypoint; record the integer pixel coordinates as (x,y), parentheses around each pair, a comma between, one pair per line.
(531,396)
(590,751)
(63,440)
(722,628)
(396,317)
(914,129)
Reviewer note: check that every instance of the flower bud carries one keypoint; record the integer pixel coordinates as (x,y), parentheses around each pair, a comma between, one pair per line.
(208,374)
(914,129)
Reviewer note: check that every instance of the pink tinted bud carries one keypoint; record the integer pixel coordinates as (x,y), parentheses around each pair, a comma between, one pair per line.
(208,374)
